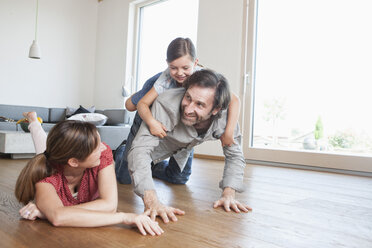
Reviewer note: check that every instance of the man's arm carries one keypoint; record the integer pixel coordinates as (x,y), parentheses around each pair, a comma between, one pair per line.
(139,160)
(233,175)
(139,163)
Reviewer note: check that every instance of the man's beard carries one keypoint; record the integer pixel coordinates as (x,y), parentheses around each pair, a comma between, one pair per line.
(193,119)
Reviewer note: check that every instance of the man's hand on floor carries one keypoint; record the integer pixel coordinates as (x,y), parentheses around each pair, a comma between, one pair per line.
(228,202)
(156,208)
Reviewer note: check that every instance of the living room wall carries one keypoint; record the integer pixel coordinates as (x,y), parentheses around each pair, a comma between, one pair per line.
(220,47)
(64,76)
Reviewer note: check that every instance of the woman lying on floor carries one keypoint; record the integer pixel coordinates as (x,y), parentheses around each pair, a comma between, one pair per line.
(72,179)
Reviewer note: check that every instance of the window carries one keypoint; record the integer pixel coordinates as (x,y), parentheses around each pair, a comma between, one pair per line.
(310,75)
(158,23)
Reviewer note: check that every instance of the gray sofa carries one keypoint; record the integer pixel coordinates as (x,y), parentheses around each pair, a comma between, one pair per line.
(113,132)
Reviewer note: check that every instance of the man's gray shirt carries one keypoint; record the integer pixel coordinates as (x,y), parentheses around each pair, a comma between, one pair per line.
(179,142)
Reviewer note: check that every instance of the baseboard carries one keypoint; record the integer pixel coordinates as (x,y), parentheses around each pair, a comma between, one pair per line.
(212,157)
(307,167)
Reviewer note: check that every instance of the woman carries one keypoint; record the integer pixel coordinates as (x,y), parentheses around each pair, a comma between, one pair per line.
(73,180)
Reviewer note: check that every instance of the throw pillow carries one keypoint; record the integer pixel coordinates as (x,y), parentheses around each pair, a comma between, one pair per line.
(94,118)
(72,111)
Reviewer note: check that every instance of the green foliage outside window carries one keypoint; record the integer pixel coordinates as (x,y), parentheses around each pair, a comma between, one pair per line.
(342,139)
(318,133)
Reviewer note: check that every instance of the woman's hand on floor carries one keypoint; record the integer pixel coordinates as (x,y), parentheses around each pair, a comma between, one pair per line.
(31,212)
(143,223)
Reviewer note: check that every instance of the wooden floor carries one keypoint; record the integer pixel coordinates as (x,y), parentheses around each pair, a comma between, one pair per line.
(291,208)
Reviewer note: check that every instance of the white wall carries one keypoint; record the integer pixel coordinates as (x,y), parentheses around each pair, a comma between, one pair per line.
(220,40)
(111,53)
(64,76)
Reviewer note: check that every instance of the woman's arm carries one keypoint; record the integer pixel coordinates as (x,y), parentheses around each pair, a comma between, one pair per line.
(38,134)
(108,193)
(143,107)
(50,204)
(107,202)
(227,139)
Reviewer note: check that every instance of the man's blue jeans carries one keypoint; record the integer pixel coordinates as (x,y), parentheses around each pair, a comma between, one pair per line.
(166,170)
(170,171)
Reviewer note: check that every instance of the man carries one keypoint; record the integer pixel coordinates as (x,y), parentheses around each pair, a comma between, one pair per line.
(192,115)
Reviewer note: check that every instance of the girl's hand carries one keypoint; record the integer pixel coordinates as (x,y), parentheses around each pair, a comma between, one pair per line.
(144,223)
(31,212)
(227,139)
(157,129)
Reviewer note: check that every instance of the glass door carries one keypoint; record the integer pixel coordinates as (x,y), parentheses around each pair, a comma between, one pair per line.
(309,74)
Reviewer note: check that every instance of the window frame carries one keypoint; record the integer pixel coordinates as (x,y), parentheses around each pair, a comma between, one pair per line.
(134,31)
(301,159)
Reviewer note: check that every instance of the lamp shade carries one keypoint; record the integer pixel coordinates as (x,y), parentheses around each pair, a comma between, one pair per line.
(34,51)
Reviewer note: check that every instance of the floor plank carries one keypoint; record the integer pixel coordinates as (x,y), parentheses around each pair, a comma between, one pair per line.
(292,208)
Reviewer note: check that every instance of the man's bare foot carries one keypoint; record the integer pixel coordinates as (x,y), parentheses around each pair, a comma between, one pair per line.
(31,116)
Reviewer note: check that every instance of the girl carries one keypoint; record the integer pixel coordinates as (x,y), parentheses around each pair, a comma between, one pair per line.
(182,62)
(73,180)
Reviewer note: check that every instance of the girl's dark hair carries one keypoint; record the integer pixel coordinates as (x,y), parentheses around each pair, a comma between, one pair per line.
(67,139)
(210,79)
(180,47)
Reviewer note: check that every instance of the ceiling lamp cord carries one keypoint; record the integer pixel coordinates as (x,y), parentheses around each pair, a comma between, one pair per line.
(35,49)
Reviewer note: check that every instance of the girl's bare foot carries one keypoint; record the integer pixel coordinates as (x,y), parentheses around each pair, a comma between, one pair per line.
(31,116)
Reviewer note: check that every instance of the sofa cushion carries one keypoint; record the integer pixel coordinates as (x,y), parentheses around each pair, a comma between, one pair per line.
(73,111)
(113,135)
(115,116)
(47,126)
(15,112)
(56,115)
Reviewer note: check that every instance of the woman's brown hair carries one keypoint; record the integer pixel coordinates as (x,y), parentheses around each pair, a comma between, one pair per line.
(67,139)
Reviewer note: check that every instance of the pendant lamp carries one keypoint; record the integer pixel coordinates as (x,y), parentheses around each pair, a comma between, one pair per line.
(35,49)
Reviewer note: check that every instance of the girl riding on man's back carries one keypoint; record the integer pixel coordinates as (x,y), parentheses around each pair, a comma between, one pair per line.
(182,62)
